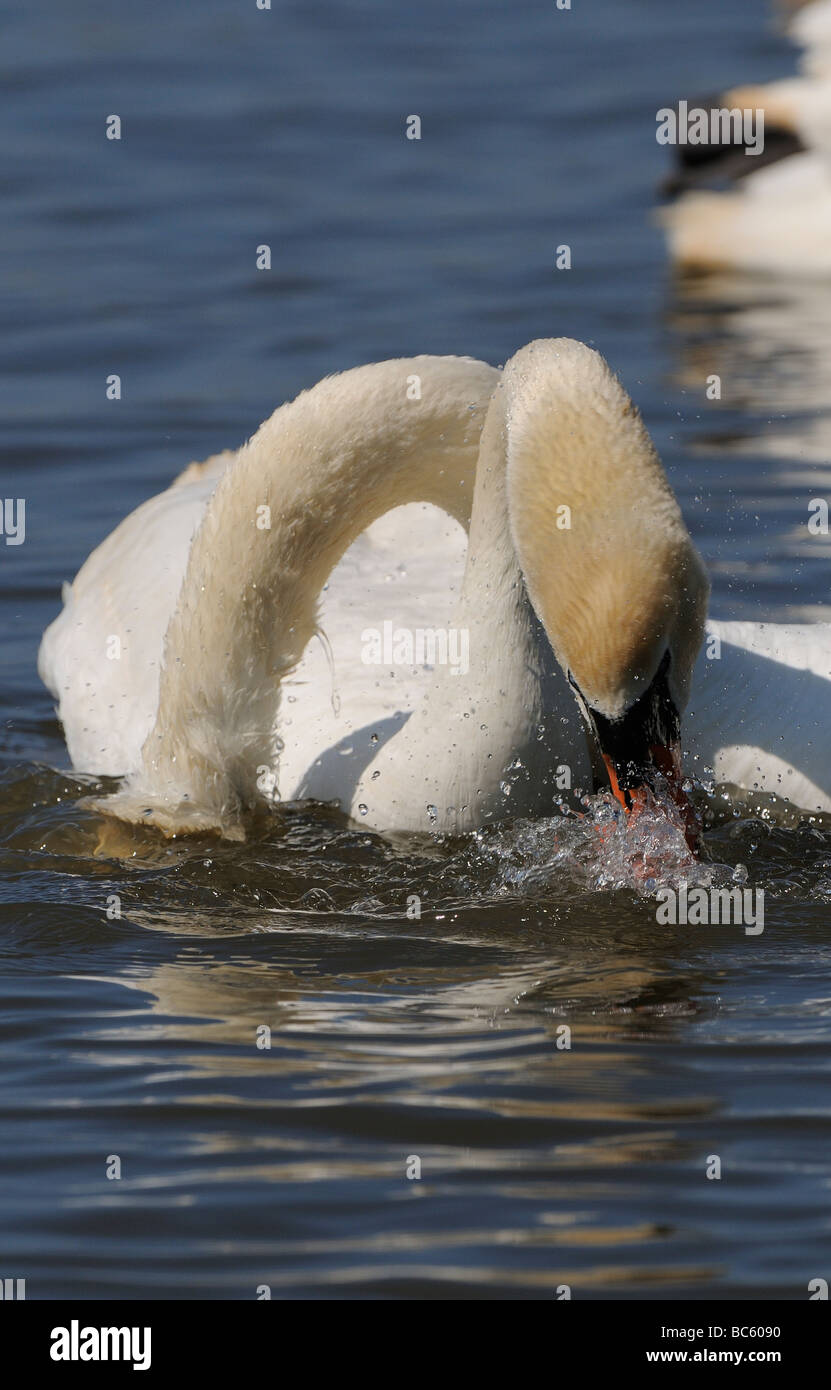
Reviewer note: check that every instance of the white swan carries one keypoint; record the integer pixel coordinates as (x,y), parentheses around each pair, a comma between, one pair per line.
(216,615)
(777,216)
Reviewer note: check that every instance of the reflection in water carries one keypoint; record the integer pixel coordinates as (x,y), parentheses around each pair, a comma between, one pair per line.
(559,1064)
(440,1041)
(764,452)
(767,337)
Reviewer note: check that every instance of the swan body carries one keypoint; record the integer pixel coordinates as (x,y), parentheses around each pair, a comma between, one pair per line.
(241,676)
(776,221)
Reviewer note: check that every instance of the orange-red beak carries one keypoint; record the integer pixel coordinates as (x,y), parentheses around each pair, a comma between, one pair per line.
(636,798)
(641,751)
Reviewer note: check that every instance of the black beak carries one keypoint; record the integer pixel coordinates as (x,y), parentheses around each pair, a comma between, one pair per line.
(642,751)
(715,164)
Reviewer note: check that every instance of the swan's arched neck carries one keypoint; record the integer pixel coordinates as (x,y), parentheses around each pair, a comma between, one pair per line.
(315,475)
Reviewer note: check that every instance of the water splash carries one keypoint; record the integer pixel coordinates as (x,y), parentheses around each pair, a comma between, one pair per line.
(598,848)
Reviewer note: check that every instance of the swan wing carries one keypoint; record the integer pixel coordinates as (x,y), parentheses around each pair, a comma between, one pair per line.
(759,716)
(101,656)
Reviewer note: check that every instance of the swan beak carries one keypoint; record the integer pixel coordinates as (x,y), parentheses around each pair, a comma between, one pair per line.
(633,787)
(642,754)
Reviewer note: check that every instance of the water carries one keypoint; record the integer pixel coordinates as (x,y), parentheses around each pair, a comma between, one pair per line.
(393,1038)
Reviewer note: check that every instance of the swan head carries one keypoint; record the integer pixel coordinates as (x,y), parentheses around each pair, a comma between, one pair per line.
(608,563)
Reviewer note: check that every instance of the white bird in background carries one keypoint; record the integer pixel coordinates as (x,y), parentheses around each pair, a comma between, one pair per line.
(811,29)
(581,595)
(776,218)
